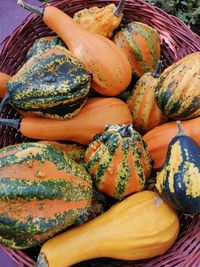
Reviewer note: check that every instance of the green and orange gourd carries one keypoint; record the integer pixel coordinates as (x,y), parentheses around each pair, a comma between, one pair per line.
(118,161)
(42,192)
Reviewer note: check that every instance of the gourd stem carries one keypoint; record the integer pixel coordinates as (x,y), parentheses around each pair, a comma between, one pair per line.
(126,131)
(157,71)
(118,10)
(5,100)
(34,9)
(180,128)
(15,123)
(41,261)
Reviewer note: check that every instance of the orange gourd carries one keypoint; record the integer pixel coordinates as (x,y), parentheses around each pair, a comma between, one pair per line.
(108,64)
(4,78)
(140,227)
(95,114)
(159,138)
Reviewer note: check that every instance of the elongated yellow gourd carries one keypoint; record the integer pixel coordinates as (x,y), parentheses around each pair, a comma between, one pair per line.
(140,227)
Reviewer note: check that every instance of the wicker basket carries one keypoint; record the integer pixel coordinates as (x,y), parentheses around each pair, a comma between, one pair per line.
(177,40)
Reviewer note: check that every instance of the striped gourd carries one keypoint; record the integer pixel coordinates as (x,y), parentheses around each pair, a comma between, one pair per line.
(178,90)
(118,161)
(54,84)
(41,193)
(44,43)
(142,103)
(141,45)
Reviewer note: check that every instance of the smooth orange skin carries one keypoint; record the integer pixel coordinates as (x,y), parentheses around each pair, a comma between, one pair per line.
(4,78)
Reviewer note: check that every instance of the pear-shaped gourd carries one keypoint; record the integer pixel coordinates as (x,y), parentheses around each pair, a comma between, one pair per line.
(178,181)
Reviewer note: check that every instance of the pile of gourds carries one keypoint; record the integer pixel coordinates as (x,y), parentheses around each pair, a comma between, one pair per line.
(77,87)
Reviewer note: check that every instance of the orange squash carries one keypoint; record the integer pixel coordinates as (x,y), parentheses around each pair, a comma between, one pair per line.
(4,78)
(159,138)
(108,64)
(95,114)
(140,227)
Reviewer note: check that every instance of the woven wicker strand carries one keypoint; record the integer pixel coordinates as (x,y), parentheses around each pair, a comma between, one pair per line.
(177,40)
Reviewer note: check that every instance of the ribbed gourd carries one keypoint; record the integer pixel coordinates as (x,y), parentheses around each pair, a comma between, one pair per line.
(178,90)
(54,84)
(42,192)
(142,103)
(118,161)
(102,20)
(140,43)
(44,43)
(178,181)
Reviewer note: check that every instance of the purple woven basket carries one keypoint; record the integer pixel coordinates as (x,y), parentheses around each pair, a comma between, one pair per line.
(177,40)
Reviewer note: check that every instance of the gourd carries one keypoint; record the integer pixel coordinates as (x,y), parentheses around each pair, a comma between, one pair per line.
(118,161)
(158,139)
(92,118)
(44,43)
(178,92)
(178,181)
(4,78)
(140,43)
(142,103)
(74,151)
(42,192)
(108,64)
(53,84)
(141,226)
(102,20)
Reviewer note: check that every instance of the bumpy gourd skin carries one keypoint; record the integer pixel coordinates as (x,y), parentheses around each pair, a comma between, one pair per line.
(41,193)
(118,161)
(54,84)
(178,181)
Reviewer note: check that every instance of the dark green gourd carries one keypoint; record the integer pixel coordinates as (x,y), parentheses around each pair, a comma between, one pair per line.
(42,192)
(54,84)
(178,180)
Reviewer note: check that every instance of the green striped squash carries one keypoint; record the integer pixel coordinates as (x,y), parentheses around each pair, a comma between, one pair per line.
(178,90)
(118,161)
(54,84)
(141,45)
(42,192)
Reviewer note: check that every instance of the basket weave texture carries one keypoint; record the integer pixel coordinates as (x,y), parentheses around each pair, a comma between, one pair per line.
(177,40)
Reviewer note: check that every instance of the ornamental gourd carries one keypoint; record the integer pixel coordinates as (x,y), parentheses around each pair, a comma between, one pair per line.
(142,103)
(102,20)
(54,84)
(178,181)
(118,161)
(4,78)
(140,43)
(158,138)
(178,90)
(44,43)
(141,226)
(41,193)
(108,64)
(95,114)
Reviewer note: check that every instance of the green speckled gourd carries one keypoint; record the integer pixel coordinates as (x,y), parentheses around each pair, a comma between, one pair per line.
(44,43)
(178,90)
(118,161)
(54,84)
(178,180)
(41,193)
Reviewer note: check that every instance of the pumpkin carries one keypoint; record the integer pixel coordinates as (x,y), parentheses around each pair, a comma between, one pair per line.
(178,90)
(142,103)
(108,64)
(178,181)
(4,78)
(118,161)
(53,84)
(141,226)
(102,20)
(158,139)
(42,192)
(95,114)
(44,43)
(140,43)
